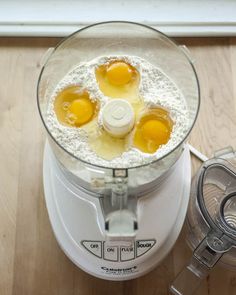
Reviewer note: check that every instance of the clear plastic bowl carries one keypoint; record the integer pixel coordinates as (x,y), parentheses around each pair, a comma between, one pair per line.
(118,38)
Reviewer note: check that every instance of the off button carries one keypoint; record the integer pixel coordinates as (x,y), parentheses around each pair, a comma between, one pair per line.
(94,247)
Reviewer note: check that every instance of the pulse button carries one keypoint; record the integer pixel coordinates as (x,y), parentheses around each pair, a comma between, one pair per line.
(127,253)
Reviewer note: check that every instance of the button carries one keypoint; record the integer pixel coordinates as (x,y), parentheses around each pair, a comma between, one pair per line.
(126,253)
(94,247)
(110,252)
(143,246)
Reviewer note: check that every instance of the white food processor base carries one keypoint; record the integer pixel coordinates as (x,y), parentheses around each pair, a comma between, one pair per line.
(78,223)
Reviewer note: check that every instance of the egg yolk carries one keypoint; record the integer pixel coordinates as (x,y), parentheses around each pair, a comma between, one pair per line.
(81,110)
(119,73)
(119,79)
(153,130)
(73,107)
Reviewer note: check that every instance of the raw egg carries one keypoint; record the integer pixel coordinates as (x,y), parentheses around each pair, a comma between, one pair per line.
(118,79)
(153,130)
(73,106)
(119,73)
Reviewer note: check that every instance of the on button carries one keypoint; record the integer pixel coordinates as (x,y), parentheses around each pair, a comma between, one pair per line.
(110,252)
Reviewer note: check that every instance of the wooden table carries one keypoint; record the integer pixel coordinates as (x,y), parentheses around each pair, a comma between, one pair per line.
(31,262)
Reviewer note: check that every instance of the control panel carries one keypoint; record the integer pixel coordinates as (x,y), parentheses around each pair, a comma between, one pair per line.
(113,252)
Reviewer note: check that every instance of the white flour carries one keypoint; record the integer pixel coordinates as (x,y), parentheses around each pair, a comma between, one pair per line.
(155,88)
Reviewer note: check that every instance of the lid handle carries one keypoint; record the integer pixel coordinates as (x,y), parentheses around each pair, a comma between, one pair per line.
(204,258)
(189,278)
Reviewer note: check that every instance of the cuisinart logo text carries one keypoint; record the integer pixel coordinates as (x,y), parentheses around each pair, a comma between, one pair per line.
(119,271)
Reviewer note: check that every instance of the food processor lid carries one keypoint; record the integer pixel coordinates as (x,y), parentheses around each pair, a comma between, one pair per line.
(215,200)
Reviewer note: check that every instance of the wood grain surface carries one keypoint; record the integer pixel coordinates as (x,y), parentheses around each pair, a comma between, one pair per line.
(31,262)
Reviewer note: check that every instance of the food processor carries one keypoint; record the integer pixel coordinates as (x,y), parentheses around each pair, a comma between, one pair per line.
(117,223)
(211,221)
